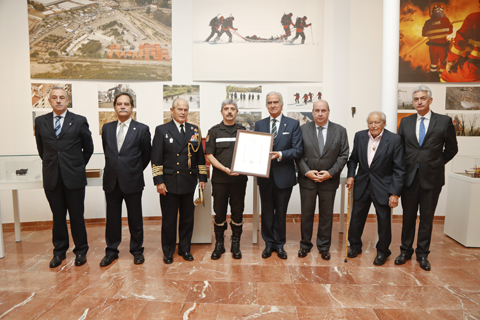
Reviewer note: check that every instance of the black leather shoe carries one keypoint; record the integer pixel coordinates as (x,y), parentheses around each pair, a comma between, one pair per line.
(325,254)
(302,253)
(168,259)
(424,264)
(402,259)
(107,260)
(187,256)
(138,259)
(352,253)
(282,254)
(267,252)
(380,259)
(80,260)
(56,261)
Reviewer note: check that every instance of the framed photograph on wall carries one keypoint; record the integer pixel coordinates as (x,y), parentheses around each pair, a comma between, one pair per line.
(246,40)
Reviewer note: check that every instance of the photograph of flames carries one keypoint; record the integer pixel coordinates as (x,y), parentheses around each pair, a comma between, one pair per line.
(439,41)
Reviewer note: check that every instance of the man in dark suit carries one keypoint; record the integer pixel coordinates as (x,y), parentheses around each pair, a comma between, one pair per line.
(65,145)
(378,154)
(430,142)
(325,152)
(127,148)
(275,191)
(177,158)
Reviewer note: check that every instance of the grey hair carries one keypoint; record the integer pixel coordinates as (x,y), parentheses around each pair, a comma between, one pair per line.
(274,93)
(59,88)
(174,103)
(382,115)
(422,88)
(228,101)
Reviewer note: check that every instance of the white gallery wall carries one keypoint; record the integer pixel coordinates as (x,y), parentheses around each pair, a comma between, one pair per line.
(352,78)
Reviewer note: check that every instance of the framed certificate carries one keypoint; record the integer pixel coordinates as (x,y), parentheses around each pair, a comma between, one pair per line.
(252,153)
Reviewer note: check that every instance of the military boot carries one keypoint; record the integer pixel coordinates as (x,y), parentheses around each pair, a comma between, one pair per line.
(236,233)
(219,240)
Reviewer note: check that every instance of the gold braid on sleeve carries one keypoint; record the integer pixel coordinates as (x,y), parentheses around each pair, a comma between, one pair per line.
(202,169)
(157,170)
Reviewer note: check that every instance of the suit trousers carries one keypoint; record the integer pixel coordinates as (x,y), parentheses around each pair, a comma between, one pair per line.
(113,229)
(61,200)
(413,197)
(359,217)
(171,204)
(274,202)
(326,199)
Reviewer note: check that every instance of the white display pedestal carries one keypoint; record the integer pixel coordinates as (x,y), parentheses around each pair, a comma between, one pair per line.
(462,219)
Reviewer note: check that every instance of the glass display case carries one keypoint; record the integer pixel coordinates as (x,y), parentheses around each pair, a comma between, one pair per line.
(28,168)
(466,165)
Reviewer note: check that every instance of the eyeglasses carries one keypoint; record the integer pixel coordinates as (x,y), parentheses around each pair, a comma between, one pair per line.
(274,102)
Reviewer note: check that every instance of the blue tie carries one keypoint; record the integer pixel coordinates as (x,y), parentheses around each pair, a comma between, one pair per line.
(421,135)
(58,127)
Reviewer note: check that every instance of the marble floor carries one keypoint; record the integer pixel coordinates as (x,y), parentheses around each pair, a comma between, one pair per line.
(250,288)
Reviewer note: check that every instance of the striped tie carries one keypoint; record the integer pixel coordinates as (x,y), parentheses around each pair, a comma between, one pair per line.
(120,136)
(274,128)
(58,126)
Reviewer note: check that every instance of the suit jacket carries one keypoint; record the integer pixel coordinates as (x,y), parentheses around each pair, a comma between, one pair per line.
(126,166)
(387,171)
(439,147)
(289,142)
(333,158)
(170,158)
(69,152)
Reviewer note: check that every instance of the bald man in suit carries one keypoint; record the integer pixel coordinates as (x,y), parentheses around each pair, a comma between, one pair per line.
(325,146)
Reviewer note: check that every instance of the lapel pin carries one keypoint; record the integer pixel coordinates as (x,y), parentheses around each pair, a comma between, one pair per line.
(166,136)
(134,128)
(70,123)
(284,124)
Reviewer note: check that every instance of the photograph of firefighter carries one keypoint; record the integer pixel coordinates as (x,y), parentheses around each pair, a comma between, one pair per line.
(439,41)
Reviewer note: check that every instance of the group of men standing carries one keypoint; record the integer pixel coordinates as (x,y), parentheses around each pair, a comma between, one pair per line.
(383,165)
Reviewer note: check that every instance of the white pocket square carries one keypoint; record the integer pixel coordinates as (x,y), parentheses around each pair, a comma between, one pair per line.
(286,133)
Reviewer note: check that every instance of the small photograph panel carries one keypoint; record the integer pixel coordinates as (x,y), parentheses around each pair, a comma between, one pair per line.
(302,116)
(40,93)
(405,99)
(246,96)
(303,96)
(108,91)
(191,93)
(248,119)
(466,124)
(463,98)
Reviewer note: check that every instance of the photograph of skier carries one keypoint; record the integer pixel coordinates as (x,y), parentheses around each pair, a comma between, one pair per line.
(303,96)
(251,39)
(437,41)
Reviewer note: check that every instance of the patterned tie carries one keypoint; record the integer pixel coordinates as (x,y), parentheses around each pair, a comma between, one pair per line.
(58,126)
(182,131)
(321,144)
(421,135)
(120,136)
(274,128)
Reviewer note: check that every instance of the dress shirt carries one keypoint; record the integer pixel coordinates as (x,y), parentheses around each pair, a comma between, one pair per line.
(426,122)
(373,146)
(62,119)
(125,129)
(178,126)
(324,131)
